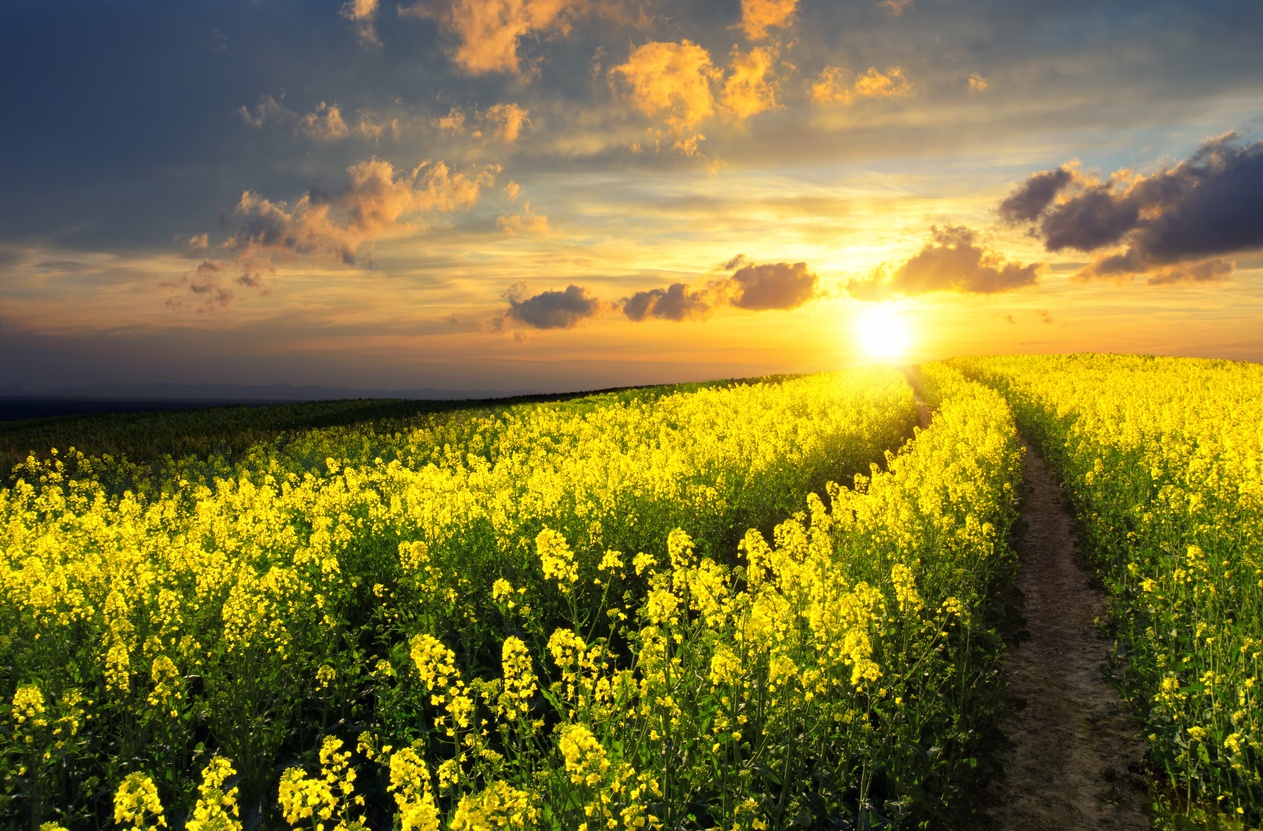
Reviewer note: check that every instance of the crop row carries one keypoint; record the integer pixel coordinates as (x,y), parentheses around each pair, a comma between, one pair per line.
(1163,463)
(156,624)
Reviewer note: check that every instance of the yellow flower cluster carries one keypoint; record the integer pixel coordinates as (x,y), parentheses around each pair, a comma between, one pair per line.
(410,785)
(437,667)
(519,681)
(557,559)
(136,803)
(500,805)
(321,799)
(28,710)
(216,809)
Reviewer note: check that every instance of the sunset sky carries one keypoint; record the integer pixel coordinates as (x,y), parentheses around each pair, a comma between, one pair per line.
(570,194)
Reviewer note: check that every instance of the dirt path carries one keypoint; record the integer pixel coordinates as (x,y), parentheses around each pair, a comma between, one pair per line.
(1074,757)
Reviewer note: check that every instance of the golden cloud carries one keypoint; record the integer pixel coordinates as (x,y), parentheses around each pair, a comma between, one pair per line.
(377,202)
(453,122)
(368,128)
(671,81)
(873,84)
(757,16)
(361,13)
(488,31)
(749,88)
(325,123)
(504,122)
(507,121)
(527,223)
(831,88)
(955,260)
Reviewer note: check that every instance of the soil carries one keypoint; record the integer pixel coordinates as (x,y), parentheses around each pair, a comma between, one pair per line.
(1075,757)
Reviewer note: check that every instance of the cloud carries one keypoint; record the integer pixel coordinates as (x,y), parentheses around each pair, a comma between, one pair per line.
(196,245)
(204,288)
(372,130)
(1093,218)
(676,84)
(1207,271)
(671,82)
(377,201)
(748,89)
(361,13)
(453,122)
(488,32)
(896,7)
(1175,224)
(773,286)
(505,122)
(757,16)
(1029,200)
(1122,267)
(1044,316)
(874,84)
(752,287)
(831,87)
(977,83)
(952,261)
(676,302)
(553,309)
(325,123)
(526,223)
(756,288)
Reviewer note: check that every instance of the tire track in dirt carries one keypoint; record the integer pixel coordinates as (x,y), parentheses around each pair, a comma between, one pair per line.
(1075,756)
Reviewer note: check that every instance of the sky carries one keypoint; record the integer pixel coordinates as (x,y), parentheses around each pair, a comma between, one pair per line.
(555,195)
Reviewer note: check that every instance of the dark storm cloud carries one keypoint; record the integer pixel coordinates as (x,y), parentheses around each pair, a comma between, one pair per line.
(1034,195)
(675,302)
(773,286)
(1093,218)
(952,261)
(553,309)
(1211,204)
(756,288)
(752,287)
(1205,207)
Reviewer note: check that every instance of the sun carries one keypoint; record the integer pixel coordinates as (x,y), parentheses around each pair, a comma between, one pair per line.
(882,332)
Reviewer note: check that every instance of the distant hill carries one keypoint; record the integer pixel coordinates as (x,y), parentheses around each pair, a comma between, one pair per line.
(243,393)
